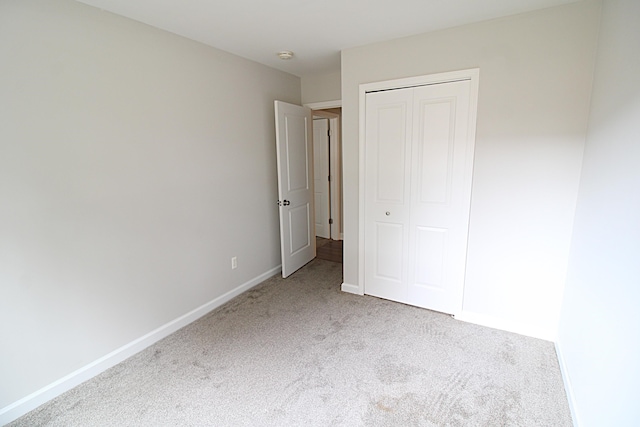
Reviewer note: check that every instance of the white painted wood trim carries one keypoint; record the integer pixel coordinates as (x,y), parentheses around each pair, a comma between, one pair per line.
(567,386)
(21,407)
(324,114)
(349,288)
(324,104)
(318,120)
(361,174)
(506,325)
(472,74)
(335,163)
(451,76)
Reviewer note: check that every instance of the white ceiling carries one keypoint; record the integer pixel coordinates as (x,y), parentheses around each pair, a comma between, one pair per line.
(316,30)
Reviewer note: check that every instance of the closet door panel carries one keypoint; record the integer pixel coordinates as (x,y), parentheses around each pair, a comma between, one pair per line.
(439,201)
(387,192)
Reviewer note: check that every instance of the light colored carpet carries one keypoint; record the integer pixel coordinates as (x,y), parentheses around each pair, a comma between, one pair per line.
(299,352)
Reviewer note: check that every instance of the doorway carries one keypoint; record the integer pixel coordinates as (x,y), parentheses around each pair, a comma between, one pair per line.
(330,250)
(296,155)
(328,172)
(328,182)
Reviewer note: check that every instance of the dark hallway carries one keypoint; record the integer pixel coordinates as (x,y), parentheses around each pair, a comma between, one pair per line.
(330,250)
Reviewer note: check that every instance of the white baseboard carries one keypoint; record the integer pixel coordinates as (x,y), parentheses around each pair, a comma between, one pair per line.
(506,325)
(352,289)
(567,386)
(19,408)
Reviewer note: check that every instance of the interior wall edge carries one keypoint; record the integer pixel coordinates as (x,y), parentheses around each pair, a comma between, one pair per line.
(567,385)
(350,288)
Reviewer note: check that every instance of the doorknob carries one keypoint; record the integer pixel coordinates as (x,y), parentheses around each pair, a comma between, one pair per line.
(284,203)
(387,213)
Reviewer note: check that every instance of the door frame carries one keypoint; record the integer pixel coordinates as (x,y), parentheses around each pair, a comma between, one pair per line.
(335,170)
(335,146)
(324,104)
(472,75)
(325,167)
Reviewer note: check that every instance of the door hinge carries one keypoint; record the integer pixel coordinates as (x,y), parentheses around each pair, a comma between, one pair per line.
(329,177)
(330,220)
(328,132)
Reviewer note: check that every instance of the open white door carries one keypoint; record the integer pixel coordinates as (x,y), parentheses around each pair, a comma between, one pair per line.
(295,185)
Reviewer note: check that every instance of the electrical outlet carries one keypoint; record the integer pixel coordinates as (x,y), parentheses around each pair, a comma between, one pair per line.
(234,263)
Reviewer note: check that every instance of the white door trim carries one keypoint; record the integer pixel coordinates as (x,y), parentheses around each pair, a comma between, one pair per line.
(324,104)
(321,174)
(472,75)
(335,165)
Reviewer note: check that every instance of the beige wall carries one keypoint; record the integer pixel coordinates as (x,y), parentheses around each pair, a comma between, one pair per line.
(599,336)
(535,81)
(322,87)
(133,165)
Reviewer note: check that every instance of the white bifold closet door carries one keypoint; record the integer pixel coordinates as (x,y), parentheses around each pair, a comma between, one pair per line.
(418,171)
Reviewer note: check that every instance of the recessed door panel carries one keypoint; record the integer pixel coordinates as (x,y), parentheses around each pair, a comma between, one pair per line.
(391,155)
(297,153)
(435,146)
(431,245)
(299,217)
(389,244)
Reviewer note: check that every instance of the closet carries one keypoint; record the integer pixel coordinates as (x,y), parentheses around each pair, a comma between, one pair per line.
(418,164)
